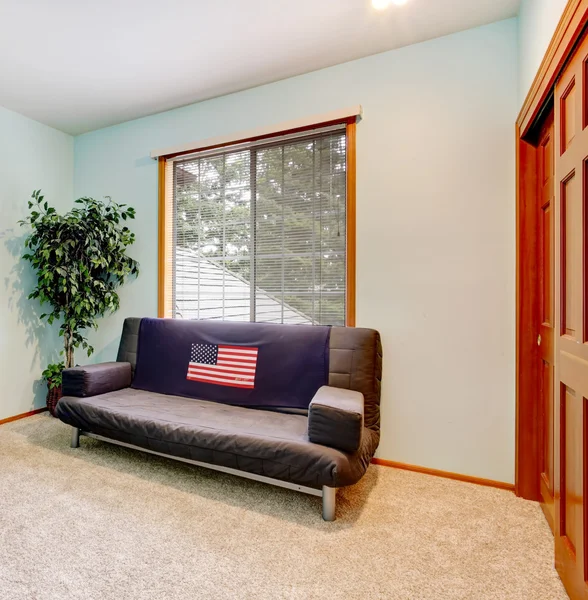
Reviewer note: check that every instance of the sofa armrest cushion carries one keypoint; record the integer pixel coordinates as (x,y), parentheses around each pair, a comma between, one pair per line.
(335,418)
(94,380)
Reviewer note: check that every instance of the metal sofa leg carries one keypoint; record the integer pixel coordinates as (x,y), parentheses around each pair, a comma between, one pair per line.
(75,438)
(329,503)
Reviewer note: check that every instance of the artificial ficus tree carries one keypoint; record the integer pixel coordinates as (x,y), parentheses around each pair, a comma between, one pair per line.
(80,260)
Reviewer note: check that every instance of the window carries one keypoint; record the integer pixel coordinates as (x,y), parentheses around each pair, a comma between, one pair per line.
(259,231)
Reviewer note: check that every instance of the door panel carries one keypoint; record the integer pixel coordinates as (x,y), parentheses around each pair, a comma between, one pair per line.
(571,349)
(571,511)
(568,115)
(571,215)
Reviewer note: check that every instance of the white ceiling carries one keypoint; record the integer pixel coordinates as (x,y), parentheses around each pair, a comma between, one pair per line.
(79,65)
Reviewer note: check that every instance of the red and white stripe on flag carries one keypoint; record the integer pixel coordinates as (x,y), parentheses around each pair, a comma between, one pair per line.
(232,366)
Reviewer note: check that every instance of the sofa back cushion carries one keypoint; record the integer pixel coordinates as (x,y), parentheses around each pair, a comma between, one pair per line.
(355,362)
(247,364)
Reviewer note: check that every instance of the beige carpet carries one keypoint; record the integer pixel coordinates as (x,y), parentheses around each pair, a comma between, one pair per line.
(107,523)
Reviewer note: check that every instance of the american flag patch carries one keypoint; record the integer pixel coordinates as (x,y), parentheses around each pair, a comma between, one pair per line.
(233,366)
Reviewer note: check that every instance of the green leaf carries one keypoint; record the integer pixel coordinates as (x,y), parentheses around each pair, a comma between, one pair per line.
(80,260)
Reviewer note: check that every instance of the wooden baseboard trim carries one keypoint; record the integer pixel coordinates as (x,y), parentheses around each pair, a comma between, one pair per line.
(446,474)
(23,416)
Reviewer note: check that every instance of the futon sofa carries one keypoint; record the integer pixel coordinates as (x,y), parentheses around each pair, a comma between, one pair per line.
(314,449)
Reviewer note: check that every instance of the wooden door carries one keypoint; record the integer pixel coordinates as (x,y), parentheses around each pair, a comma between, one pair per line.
(571,325)
(545,337)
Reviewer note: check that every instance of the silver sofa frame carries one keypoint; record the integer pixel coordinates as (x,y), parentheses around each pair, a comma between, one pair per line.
(328,494)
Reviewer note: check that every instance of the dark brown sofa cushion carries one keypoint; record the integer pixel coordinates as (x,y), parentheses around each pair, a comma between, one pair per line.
(355,363)
(264,442)
(335,418)
(93,380)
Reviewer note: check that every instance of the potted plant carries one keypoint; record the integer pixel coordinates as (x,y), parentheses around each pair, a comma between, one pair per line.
(80,260)
(53,377)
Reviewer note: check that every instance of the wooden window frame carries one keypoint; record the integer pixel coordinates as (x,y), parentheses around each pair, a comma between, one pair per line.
(529,442)
(165,188)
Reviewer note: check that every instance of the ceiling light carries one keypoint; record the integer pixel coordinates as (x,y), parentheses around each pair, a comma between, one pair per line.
(382,4)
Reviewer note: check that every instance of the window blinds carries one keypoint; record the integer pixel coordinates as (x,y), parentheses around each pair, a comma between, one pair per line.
(259,231)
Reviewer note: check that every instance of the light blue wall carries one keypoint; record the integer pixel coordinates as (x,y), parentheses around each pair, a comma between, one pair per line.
(32,156)
(435,228)
(538,20)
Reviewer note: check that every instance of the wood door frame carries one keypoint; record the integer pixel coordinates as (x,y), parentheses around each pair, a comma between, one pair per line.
(165,197)
(528,445)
